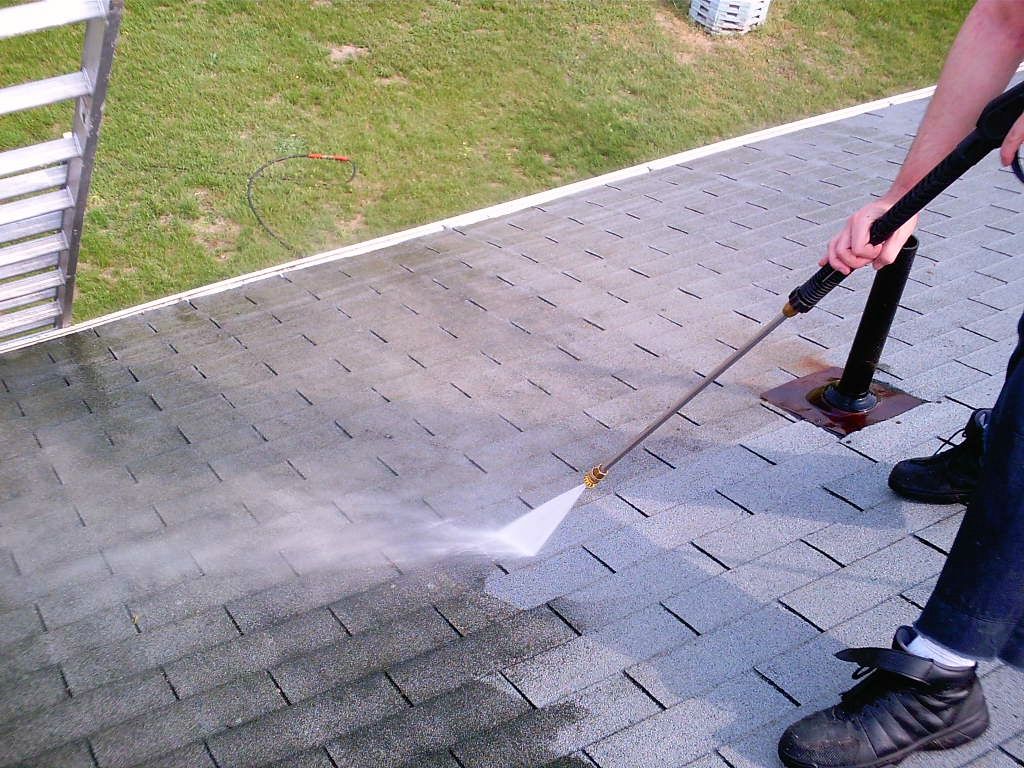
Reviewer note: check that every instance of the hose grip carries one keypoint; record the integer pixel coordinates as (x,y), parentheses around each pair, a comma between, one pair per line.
(804,297)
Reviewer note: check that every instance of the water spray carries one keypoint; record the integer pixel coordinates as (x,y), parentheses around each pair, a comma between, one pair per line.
(529,533)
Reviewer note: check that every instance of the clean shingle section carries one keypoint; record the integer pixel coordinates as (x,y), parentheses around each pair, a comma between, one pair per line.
(685,732)
(695,667)
(567,668)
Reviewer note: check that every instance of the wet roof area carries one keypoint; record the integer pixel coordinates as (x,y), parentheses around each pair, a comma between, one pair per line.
(250,529)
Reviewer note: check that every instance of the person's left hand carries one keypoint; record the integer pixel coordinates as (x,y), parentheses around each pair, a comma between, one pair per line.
(1012,142)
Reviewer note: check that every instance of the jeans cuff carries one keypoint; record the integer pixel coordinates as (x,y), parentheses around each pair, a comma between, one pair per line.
(967,635)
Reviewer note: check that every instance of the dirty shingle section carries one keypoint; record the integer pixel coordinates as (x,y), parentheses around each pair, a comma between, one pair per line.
(244,530)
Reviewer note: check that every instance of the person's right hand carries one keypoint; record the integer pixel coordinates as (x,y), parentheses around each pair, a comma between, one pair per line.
(850,249)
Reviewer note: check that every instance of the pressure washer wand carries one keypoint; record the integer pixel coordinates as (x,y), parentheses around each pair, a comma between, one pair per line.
(598,473)
(993,124)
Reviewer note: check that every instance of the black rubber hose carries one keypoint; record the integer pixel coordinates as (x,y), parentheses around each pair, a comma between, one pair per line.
(993,124)
(250,186)
(966,154)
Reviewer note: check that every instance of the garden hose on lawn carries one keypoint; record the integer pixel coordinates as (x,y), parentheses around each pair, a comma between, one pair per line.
(259,172)
(528,533)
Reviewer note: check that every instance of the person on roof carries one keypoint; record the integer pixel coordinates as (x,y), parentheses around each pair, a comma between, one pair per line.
(924,692)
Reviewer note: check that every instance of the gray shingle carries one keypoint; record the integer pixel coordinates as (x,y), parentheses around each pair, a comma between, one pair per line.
(311,723)
(239,655)
(638,585)
(1015,747)
(23,694)
(20,623)
(71,756)
(191,719)
(472,611)
(897,436)
(352,658)
(305,593)
(685,732)
(539,582)
(141,652)
(400,596)
(492,648)
(695,667)
(316,758)
(865,583)
(667,530)
(779,520)
(747,587)
(981,394)
(875,529)
(541,735)
(187,598)
(811,674)
(585,660)
(75,718)
(994,758)
(432,725)
(692,480)
(108,626)
(192,756)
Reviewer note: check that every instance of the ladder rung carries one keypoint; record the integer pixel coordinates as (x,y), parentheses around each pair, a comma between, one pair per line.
(30,227)
(30,249)
(28,298)
(48,261)
(15,290)
(39,93)
(30,207)
(38,155)
(33,17)
(33,181)
(29,319)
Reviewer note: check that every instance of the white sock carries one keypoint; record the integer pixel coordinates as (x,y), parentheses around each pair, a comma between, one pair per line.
(927,648)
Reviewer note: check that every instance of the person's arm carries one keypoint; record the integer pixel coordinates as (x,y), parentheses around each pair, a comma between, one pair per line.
(983,58)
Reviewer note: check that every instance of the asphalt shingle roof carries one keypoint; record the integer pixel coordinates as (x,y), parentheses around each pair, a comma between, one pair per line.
(239,531)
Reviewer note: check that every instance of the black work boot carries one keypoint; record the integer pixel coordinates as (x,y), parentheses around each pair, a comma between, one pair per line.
(903,703)
(946,477)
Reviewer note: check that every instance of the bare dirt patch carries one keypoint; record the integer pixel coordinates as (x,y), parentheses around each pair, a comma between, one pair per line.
(342,53)
(350,225)
(213,232)
(113,274)
(688,42)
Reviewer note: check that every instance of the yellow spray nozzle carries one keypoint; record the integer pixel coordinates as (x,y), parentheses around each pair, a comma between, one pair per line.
(594,476)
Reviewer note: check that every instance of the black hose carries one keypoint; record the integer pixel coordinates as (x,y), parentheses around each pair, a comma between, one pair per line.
(259,172)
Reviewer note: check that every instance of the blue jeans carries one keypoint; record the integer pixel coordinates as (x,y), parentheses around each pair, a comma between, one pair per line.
(977,608)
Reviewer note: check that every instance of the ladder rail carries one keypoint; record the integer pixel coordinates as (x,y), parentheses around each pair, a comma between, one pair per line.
(44,187)
(97,60)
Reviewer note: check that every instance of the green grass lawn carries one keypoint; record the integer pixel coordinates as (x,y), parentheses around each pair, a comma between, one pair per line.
(445,107)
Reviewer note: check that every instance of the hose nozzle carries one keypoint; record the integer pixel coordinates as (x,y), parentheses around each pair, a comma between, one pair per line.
(594,476)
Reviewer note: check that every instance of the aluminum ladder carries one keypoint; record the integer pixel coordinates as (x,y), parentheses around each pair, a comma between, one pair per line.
(44,186)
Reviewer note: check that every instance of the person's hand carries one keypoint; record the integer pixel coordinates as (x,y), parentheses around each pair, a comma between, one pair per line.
(850,249)
(1012,142)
